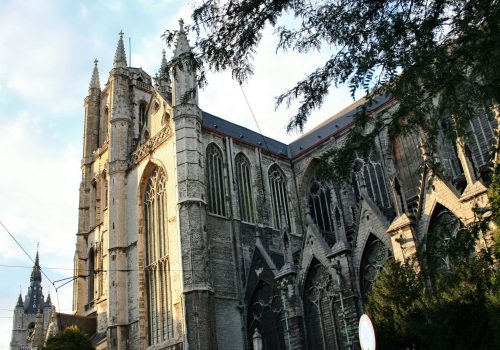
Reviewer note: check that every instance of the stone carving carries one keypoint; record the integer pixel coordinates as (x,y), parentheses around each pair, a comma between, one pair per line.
(150,145)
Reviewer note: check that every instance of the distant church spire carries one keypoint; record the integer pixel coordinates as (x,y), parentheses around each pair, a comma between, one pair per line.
(120,57)
(94,81)
(36,274)
(163,67)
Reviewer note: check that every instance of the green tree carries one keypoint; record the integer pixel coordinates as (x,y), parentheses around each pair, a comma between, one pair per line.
(71,338)
(437,58)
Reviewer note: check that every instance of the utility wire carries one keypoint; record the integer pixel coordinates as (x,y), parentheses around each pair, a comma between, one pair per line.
(25,252)
(255,119)
(41,270)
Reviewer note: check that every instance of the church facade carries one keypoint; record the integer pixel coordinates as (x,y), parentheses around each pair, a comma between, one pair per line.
(197,233)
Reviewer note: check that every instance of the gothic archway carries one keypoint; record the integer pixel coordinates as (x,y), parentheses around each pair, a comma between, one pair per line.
(264,313)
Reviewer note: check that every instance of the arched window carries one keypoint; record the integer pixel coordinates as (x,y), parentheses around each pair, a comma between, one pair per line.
(216,203)
(279,196)
(90,275)
(320,202)
(142,115)
(243,176)
(369,172)
(374,257)
(264,313)
(319,310)
(157,266)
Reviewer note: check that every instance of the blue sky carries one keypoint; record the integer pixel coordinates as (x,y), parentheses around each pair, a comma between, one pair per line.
(46,59)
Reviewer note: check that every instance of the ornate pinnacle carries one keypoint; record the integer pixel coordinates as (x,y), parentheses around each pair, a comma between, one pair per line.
(182,45)
(94,81)
(120,57)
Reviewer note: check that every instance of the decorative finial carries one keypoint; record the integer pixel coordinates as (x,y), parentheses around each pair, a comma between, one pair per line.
(96,61)
(181,25)
(121,34)
(163,53)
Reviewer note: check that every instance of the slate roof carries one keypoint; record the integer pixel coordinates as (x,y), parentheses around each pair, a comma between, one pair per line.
(330,127)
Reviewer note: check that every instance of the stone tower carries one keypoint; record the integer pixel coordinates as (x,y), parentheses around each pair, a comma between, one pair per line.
(32,312)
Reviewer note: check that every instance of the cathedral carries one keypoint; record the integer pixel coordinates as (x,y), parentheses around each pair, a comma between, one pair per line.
(197,233)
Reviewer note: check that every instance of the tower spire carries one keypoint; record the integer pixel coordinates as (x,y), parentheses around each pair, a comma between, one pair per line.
(94,81)
(36,274)
(120,57)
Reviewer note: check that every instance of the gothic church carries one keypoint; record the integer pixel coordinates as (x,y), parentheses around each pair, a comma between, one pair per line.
(197,233)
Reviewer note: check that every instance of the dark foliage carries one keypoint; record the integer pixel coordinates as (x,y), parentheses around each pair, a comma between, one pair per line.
(449,51)
(69,339)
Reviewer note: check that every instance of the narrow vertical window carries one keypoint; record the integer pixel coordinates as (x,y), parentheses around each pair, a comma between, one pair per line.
(142,115)
(160,322)
(90,275)
(215,181)
(320,207)
(104,127)
(247,207)
(279,196)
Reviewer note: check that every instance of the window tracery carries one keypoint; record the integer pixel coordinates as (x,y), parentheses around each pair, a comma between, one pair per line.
(243,178)
(374,257)
(215,183)
(279,196)
(160,322)
(319,295)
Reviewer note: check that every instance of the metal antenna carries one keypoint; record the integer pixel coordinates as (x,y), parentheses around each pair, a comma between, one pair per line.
(129,52)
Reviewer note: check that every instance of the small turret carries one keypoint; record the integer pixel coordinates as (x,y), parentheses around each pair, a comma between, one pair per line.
(120,57)
(48,302)
(164,76)
(20,301)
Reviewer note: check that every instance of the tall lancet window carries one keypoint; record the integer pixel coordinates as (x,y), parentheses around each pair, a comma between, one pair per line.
(320,207)
(157,265)
(279,196)
(216,203)
(243,176)
(370,174)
